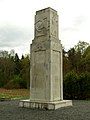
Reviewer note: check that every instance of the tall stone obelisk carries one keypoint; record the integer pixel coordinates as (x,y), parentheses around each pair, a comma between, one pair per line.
(46,81)
(46,58)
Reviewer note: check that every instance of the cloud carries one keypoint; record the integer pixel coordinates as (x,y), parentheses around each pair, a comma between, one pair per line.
(12,36)
(76,25)
(79,20)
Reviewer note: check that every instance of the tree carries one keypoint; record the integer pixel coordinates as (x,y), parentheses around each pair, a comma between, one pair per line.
(85,61)
(81,47)
(77,79)
(70,85)
(17,64)
(4,54)
(75,57)
(72,59)
(25,70)
(22,57)
(66,65)
(6,69)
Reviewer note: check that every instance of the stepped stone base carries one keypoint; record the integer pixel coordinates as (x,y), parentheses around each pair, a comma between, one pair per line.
(45,105)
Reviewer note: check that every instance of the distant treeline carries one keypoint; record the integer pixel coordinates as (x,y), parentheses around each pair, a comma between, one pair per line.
(15,71)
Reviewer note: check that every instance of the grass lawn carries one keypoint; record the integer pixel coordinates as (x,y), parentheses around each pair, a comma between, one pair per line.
(14,93)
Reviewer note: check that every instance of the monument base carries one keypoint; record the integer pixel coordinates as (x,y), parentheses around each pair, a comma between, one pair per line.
(45,105)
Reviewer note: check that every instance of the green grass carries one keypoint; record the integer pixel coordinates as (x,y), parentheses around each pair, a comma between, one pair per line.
(14,94)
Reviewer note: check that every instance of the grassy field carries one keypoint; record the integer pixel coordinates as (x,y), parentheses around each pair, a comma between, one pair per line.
(14,93)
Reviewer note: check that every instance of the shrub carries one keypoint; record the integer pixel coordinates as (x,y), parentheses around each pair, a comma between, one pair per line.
(16,83)
(70,85)
(77,86)
(84,83)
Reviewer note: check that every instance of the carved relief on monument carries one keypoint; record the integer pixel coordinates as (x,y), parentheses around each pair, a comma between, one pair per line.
(39,47)
(41,26)
(54,25)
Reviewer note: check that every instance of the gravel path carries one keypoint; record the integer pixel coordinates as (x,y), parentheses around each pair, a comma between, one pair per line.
(9,110)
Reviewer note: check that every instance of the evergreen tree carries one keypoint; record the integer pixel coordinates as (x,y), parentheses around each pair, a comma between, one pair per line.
(17,64)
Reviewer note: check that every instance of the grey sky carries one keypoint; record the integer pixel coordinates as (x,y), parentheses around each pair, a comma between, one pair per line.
(17,22)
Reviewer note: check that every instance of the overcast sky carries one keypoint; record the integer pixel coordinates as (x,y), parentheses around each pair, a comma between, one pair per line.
(17,22)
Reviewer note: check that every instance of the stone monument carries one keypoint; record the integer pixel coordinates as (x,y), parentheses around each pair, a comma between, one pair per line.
(46,74)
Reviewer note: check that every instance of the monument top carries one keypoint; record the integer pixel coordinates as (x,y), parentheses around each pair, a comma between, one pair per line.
(45,9)
(46,23)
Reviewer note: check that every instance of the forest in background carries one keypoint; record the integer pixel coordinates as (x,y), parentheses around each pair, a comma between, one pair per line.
(15,71)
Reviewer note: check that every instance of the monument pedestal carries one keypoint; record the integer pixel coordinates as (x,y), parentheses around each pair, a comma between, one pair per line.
(45,105)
